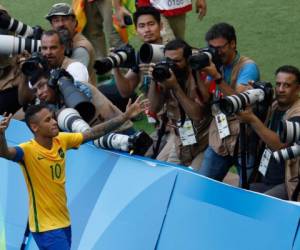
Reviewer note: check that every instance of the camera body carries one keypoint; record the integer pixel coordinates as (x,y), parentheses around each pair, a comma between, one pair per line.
(161,70)
(202,58)
(123,57)
(261,92)
(37,62)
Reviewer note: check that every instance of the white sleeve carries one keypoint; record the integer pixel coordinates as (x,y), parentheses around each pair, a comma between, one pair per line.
(78,71)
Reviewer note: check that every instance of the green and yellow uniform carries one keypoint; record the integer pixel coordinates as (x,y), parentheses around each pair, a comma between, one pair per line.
(44,172)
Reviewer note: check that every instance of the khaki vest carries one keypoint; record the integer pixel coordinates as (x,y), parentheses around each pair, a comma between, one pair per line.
(187,153)
(12,75)
(291,166)
(81,41)
(226,146)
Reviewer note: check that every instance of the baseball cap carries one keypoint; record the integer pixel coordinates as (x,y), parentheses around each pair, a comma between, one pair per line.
(2,8)
(60,9)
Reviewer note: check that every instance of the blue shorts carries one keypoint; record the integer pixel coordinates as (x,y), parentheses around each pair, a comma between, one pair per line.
(54,239)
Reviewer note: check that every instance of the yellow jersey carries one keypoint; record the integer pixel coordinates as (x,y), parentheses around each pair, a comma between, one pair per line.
(44,172)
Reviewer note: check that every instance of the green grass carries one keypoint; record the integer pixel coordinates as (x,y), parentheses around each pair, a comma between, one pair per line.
(267,31)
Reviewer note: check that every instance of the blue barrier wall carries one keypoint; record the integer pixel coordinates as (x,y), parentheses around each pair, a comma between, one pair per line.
(122,202)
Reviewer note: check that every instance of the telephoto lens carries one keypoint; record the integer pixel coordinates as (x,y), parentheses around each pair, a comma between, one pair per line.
(234,103)
(121,57)
(151,53)
(113,141)
(137,143)
(289,131)
(62,81)
(69,120)
(11,45)
(288,153)
(10,24)
(262,92)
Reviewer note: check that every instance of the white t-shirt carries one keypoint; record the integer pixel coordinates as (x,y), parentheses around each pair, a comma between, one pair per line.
(78,71)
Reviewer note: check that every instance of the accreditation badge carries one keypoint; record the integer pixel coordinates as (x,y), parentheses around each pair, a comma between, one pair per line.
(186,133)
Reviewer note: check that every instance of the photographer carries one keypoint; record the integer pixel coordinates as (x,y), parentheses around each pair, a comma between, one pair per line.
(105,110)
(53,56)
(231,77)
(61,17)
(174,92)
(10,78)
(53,51)
(148,26)
(278,179)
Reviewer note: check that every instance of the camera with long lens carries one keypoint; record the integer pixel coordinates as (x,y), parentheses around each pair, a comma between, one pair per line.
(261,92)
(288,153)
(202,58)
(289,131)
(70,120)
(137,143)
(62,81)
(151,53)
(123,57)
(37,62)
(161,70)
(10,24)
(12,45)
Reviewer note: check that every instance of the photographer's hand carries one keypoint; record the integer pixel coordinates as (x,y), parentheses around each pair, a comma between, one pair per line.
(171,82)
(146,68)
(212,71)
(246,116)
(268,136)
(121,12)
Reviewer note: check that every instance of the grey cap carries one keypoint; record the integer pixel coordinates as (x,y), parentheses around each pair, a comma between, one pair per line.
(60,9)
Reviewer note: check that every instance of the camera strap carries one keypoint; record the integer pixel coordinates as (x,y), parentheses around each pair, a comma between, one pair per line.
(160,133)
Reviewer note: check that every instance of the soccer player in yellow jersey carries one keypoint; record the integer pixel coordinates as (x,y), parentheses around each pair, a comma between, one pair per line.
(43,164)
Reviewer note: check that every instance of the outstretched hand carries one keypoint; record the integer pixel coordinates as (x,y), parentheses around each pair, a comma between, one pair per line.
(5,122)
(133,109)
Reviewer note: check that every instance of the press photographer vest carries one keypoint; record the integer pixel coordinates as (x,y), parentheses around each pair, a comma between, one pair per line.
(187,153)
(80,41)
(291,166)
(226,146)
(11,75)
